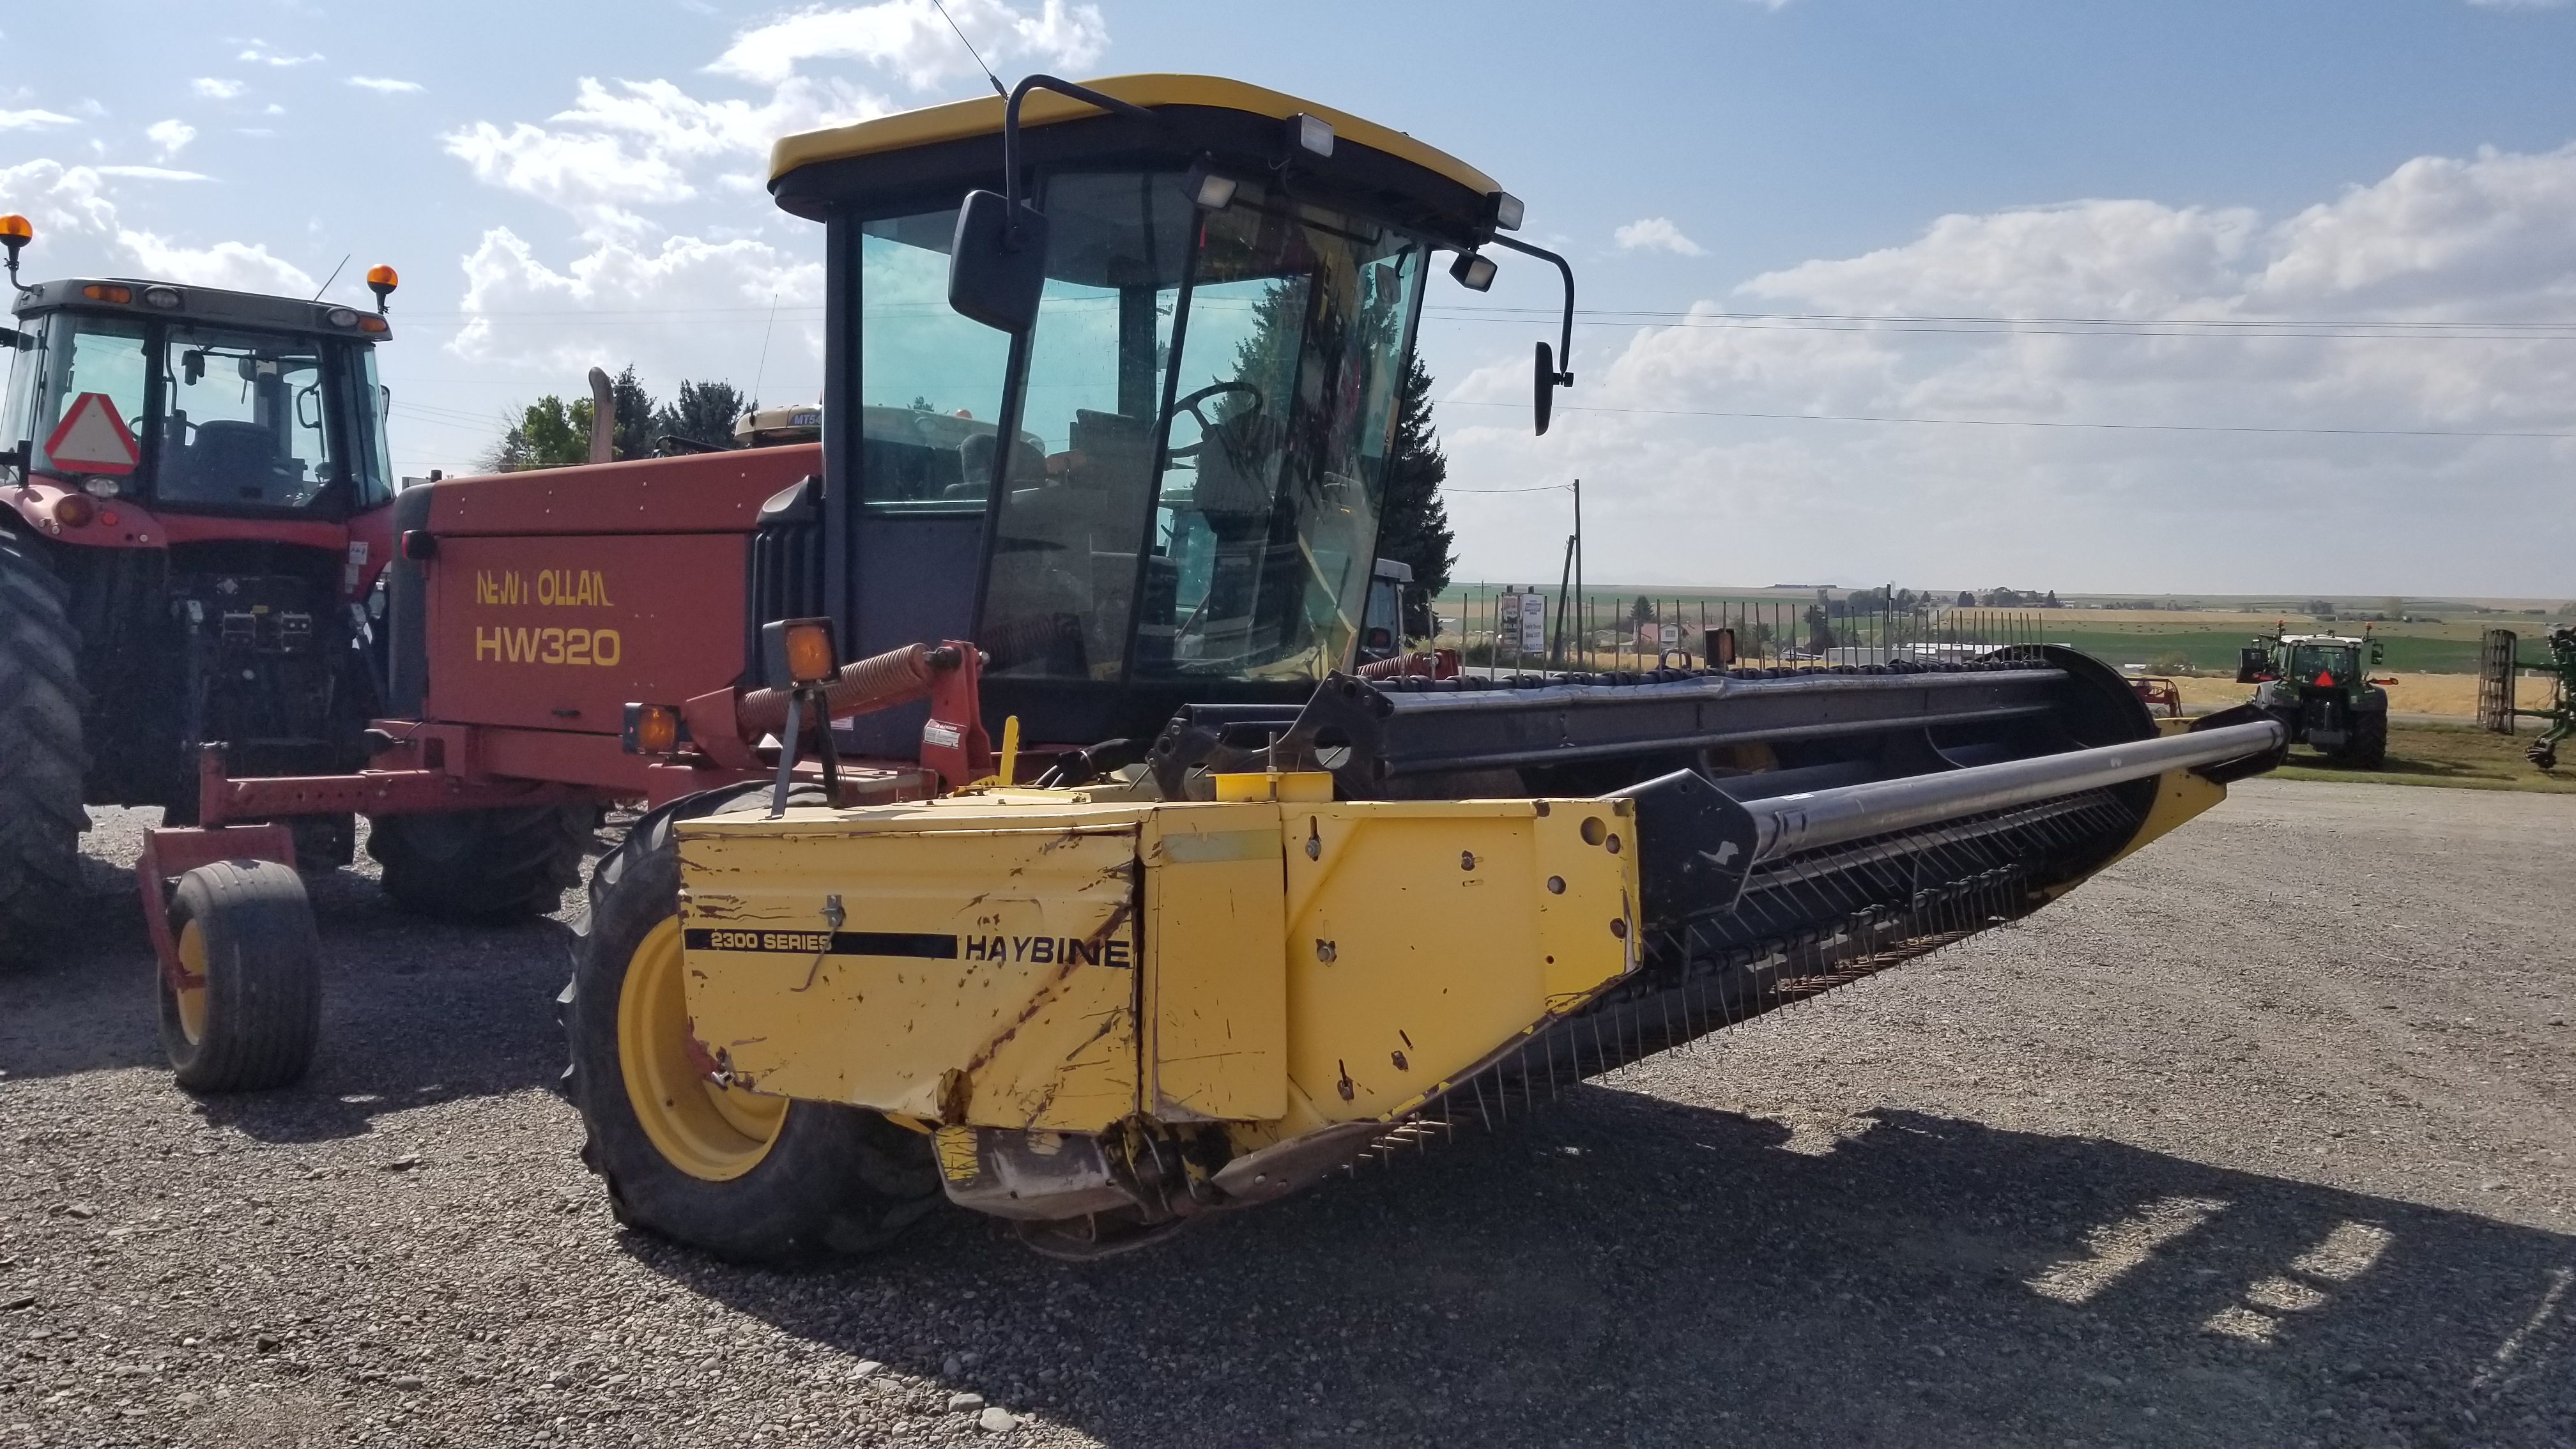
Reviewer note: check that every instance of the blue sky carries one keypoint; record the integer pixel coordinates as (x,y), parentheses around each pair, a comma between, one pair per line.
(2212,197)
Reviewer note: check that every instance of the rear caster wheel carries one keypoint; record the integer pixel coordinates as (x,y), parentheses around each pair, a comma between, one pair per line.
(247,1014)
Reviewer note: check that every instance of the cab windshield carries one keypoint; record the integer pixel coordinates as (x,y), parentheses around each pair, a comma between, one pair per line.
(218,420)
(2336,661)
(1202,419)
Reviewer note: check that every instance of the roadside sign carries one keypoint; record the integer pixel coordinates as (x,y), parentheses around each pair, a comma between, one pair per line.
(1672,635)
(92,438)
(1533,622)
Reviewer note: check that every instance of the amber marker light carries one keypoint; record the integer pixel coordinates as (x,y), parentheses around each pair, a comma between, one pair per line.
(105,292)
(15,232)
(809,651)
(651,729)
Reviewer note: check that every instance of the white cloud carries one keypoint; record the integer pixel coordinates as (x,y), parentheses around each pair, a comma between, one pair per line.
(260,53)
(383,86)
(169,138)
(2189,316)
(1656,233)
(909,39)
(58,198)
(233,265)
(72,202)
(660,305)
(215,88)
(590,175)
(32,120)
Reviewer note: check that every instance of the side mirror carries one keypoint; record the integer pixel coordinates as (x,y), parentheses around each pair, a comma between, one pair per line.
(12,337)
(2378,652)
(1543,388)
(997,262)
(1720,644)
(2253,664)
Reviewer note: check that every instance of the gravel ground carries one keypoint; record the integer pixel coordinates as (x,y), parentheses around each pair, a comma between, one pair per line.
(2262,1137)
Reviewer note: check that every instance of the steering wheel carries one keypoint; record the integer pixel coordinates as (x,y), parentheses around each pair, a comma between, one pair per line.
(1191,403)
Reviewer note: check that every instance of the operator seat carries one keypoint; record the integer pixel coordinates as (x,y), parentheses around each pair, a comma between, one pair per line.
(231,462)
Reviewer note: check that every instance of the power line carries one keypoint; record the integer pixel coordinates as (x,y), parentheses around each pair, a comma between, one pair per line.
(2033,423)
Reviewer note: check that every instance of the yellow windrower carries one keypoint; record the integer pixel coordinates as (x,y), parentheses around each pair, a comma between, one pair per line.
(1260,917)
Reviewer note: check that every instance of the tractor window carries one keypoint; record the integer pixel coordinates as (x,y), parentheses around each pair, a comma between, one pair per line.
(26,365)
(88,355)
(930,381)
(2335,661)
(372,461)
(1065,550)
(1297,329)
(247,424)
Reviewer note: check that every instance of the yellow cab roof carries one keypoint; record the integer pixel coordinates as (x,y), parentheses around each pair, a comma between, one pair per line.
(982,116)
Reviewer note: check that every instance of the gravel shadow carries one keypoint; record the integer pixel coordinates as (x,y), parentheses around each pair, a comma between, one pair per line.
(414,1011)
(1623,1269)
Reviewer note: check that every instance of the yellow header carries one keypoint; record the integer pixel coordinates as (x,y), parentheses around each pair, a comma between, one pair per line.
(982,116)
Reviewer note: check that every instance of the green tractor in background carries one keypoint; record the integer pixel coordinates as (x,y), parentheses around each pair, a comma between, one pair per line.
(2318,685)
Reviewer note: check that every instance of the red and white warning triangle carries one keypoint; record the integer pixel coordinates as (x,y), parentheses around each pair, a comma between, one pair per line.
(92,438)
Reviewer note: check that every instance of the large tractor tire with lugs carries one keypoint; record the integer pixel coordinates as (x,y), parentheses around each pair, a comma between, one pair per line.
(41,760)
(747,1177)
(249,1008)
(2369,747)
(486,866)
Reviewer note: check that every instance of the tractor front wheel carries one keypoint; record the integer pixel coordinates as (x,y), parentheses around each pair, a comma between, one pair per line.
(41,760)
(745,1176)
(488,866)
(249,1007)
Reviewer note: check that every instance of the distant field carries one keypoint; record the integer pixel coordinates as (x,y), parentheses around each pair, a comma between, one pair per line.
(2214,650)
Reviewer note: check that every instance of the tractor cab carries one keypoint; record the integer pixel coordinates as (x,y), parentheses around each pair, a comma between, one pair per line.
(190,400)
(1111,383)
(2319,685)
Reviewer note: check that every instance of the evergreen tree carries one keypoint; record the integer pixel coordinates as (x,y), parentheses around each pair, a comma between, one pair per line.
(631,435)
(1416,529)
(704,413)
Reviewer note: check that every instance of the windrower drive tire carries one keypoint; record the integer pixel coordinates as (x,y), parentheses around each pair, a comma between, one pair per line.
(486,866)
(245,932)
(747,1177)
(41,760)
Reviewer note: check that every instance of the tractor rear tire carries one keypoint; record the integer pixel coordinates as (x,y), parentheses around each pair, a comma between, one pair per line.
(41,760)
(746,1177)
(483,866)
(245,929)
(2369,747)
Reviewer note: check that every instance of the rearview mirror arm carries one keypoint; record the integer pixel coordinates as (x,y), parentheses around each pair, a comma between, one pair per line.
(1011,124)
(1565,342)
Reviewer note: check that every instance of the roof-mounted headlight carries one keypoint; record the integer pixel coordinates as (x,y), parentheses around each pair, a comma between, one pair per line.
(1311,133)
(1473,272)
(342,317)
(1504,210)
(165,298)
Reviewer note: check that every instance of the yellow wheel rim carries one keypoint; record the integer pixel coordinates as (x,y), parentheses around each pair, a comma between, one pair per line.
(192,999)
(711,1133)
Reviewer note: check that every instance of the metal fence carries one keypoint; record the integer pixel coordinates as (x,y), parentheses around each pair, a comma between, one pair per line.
(1492,628)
